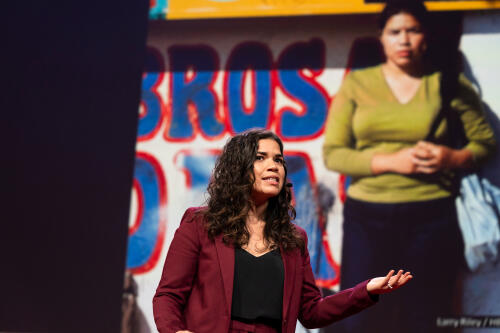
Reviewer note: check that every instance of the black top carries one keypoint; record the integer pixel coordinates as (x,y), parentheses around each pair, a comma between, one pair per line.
(258,288)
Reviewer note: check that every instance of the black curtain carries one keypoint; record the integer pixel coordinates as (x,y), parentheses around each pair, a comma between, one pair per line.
(70,91)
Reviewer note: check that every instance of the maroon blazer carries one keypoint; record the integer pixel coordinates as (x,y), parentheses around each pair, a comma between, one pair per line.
(196,287)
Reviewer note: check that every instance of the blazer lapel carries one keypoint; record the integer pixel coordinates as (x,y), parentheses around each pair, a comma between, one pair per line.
(225,255)
(289,264)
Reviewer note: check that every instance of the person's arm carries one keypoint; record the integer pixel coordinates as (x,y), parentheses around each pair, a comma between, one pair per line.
(481,145)
(339,152)
(177,278)
(317,311)
(477,129)
(431,157)
(403,162)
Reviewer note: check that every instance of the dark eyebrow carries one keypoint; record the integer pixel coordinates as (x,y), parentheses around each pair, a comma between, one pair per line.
(265,154)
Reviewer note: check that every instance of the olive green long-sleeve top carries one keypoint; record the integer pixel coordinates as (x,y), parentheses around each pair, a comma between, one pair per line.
(366,118)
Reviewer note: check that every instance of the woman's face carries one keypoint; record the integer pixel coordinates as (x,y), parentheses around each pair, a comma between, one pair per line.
(268,170)
(403,41)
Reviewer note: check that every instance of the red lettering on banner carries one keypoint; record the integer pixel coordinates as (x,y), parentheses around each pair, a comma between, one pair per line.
(143,108)
(162,196)
(140,207)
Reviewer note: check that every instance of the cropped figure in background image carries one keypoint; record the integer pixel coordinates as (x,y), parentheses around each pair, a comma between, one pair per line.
(240,264)
(400,206)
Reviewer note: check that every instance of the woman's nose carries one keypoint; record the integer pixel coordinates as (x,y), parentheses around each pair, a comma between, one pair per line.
(273,165)
(404,38)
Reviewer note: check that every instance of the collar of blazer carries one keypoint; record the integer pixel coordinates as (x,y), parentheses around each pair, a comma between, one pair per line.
(225,255)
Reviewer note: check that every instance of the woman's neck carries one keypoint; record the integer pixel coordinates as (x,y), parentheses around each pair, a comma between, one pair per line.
(256,218)
(414,71)
(255,224)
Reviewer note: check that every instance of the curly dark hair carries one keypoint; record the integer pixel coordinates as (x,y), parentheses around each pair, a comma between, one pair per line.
(230,199)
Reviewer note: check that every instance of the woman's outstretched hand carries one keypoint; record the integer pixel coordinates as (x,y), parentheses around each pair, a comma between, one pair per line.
(388,283)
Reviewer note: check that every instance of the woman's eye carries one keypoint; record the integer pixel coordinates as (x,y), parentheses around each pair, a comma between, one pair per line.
(279,160)
(259,158)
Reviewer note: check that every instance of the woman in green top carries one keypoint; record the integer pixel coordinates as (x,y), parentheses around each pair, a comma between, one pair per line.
(400,194)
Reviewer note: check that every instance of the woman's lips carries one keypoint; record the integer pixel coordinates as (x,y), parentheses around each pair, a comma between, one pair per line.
(271,180)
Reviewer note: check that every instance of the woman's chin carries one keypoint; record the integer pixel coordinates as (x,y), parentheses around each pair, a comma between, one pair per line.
(262,197)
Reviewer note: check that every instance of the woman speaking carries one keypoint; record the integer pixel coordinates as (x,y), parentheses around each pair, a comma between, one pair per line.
(240,264)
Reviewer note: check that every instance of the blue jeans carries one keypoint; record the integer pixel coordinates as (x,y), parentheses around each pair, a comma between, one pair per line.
(420,237)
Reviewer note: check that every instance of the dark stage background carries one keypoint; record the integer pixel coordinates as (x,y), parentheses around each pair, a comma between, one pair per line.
(71,88)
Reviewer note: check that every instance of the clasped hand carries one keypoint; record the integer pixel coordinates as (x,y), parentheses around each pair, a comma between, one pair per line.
(424,157)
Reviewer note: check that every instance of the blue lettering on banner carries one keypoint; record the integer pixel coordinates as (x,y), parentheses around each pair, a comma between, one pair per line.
(197,167)
(151,121)
(145,243)
(195,91)
(304,90)
(200,168)
(256,57)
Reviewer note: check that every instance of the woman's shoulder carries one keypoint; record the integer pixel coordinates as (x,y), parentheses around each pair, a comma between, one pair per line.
(193,214)
(301,233)
(195,210)
(467,84)
(363,77)
(192,224)
(364,73)
(464,87)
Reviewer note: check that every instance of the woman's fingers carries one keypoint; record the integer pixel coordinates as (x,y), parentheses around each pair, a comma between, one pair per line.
(427,158)
(425,145)
(407,277)
(421,153)
(426,169)
(393,281)
(388,277)
(398,280)
(432,162)
(401,279)
(404,279)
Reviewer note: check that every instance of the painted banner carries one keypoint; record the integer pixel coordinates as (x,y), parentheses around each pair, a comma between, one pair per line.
(204,83)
